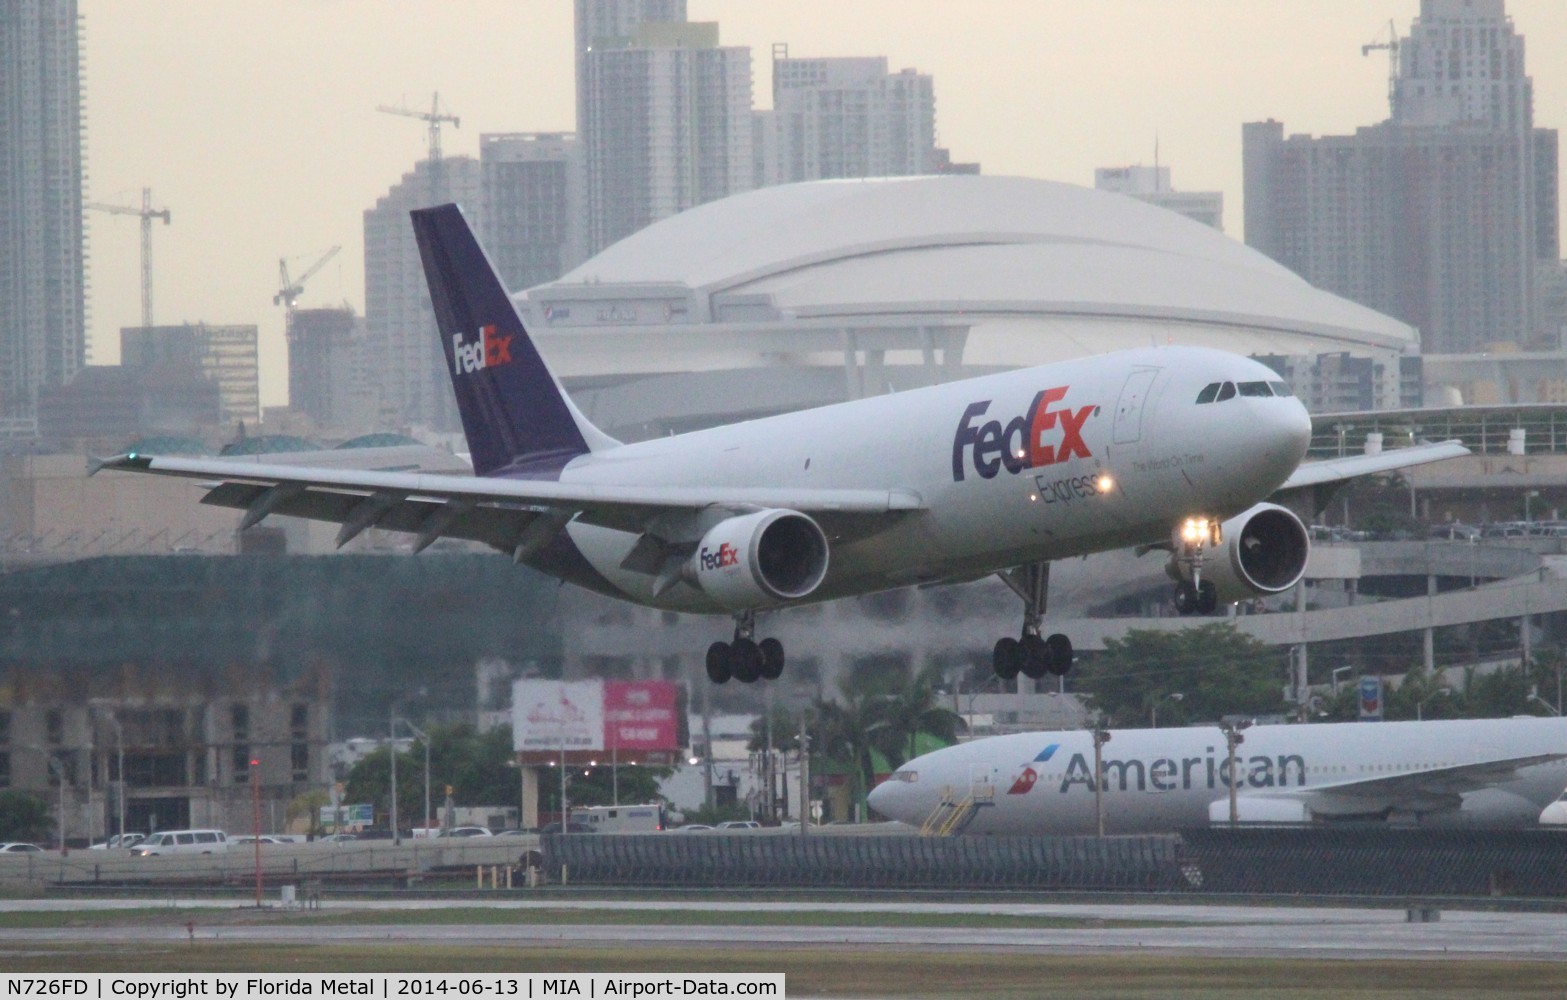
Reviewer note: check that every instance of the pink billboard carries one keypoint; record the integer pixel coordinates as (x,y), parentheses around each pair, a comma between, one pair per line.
(640,715)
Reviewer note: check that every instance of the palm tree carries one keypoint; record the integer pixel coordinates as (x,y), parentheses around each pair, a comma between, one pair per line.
(847,730)
(915,708)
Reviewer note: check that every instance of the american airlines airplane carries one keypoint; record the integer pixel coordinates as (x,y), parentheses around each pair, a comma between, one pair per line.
(1171,448)
(1492,772)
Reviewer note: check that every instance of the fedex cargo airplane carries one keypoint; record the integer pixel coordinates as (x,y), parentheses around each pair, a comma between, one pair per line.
(1171,448)
(1492,772)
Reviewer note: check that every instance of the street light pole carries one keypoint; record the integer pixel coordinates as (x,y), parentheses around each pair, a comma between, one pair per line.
(1101,737)
(391,748)
(1233,738)
(423,737)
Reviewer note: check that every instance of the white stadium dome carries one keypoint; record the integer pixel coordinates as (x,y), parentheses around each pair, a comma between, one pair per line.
(946,275)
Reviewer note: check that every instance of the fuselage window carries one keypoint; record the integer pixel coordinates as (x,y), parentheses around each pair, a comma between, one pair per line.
(1280,389)
(1208,392)
(1227,391)
(1255,389)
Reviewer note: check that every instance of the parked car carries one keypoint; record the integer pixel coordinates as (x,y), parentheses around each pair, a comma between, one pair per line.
(692,828)
(336,838)
(262,840)
(16,847)
(120,840)
(739,824)
(466,831)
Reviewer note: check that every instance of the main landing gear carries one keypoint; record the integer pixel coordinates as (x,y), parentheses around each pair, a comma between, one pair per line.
(745,659)
(1032,654)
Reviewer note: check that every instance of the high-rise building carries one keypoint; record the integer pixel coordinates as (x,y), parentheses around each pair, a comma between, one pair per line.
(532,212)
(328,368)
(664,117)
(224,355)
(42,326)
(845,117)
(1437,216)
(409,370)
(1152,184)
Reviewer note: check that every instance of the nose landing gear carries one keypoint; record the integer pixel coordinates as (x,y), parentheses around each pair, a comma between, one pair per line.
(1193,594)
(1032,654)
(745,659)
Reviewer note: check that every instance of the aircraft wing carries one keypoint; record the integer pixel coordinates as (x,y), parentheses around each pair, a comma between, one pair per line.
(1428,790)
(516,515)
(1335,470)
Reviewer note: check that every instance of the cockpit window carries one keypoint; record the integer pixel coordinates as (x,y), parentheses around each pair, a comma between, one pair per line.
(1227,391)
(1281,388)
(905,776)
(1208,392)
(1255,389)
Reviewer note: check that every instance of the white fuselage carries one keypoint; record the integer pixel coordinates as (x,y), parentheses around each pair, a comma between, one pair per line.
(1158,780)
(1116,454)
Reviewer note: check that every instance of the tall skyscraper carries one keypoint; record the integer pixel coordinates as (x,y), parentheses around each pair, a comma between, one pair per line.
(42,326)
(1437,216)
(532,213)
(328,368)
(845,117)
(664,115)
(409,369)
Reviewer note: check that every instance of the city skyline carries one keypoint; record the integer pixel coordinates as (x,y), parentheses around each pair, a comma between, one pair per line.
(258,128)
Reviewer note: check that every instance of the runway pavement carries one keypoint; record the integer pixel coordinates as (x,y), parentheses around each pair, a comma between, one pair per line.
(1275,931)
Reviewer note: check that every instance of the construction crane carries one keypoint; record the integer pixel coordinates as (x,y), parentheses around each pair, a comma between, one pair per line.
(434,117)
(147,213)
(290,289)
(1391,47)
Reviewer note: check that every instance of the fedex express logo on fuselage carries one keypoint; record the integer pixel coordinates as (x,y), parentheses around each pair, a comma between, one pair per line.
(489,350)
(1017,445)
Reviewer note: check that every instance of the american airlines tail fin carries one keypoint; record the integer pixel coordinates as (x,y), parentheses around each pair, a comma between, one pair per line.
(514,412)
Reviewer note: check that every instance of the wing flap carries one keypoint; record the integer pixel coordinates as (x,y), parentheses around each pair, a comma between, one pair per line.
(496,512)
(1416,791)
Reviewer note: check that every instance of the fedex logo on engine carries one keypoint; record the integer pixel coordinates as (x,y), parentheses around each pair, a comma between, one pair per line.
(727,555)
(1019,444)
(489,350)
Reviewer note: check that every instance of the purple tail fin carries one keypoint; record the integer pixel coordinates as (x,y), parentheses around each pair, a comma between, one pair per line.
(516,416)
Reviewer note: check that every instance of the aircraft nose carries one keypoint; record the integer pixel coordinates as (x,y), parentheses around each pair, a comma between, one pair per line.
(891,799)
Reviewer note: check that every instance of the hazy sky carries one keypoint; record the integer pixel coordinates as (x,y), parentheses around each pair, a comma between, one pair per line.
(254,121)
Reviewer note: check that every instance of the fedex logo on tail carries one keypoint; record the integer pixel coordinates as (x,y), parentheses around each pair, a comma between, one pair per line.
(489,350)
(1019,444)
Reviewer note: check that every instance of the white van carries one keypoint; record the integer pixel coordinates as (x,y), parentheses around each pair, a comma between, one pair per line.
(183,842)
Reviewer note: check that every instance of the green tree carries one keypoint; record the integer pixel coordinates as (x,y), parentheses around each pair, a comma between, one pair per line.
(1217,670)
(914,708)
(848,728)
(24,816)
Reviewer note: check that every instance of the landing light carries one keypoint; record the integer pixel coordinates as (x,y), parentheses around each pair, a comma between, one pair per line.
(1105,483)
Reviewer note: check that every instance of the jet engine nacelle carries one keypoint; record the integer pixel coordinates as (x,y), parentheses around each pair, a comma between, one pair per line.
(1263,551)
(761,559)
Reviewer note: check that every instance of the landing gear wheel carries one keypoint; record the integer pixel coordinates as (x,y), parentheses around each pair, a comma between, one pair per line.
(745,661)
(772,658)
(1207,598)
(1186,598)
(718,663)
(1058,654)
(1033,656)
(1007,658)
